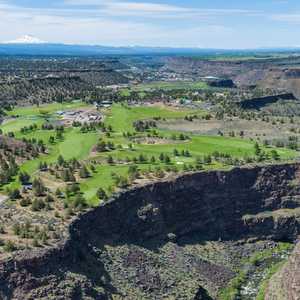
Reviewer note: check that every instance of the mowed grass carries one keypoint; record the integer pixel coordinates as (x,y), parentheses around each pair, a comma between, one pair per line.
(27,116)
(164,85)
(79,145)
(101,178)
(74,145)
(15,125)
(121,117)
(45,108)
(171,85)
(198,146)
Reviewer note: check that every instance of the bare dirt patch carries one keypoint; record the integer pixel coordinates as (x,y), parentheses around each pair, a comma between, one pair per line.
(249,129)
(155,141)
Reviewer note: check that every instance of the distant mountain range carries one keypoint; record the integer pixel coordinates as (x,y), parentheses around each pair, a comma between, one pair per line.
(26,39)
(29,45)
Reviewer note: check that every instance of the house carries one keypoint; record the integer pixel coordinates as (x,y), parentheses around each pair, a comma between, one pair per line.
(105,104)
(27,187)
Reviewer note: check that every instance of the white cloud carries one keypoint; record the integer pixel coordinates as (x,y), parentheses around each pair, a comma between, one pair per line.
(152,10)
(131,6)
(288,18)
(74,24)
(117,22)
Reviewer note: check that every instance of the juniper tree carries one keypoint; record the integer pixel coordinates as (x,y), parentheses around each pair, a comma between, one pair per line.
(101,194)
(83,172)
(24,178)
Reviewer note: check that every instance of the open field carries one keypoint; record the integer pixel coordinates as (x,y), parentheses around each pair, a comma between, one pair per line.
(172,85)
(246,56)
(76,144)
(249,128)
(122,117)
(26,116)
(175,176)
(15,125)
(45,108)
(166,85)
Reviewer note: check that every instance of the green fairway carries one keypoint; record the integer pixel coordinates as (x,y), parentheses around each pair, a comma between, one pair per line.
(26,116)
(164,85)
(15,125)
(121,117)
(101,178)
(45,108)
(171,85)
(76,144)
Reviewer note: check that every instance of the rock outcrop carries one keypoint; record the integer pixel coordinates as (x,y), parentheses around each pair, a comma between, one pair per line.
(139,245)
(258,103)
(286,283)
(221,83)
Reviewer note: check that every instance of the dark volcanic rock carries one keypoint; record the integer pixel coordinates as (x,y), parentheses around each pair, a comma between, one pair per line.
(202,295)
(144,243)
(222,83)
(257,103)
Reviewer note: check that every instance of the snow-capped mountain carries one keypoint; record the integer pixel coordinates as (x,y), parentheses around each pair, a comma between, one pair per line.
(26,39)
(30,45)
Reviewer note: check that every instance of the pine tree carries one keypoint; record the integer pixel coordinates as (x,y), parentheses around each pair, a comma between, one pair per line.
(257,149)
(83,172)
(38,187)
(101,194)
(110,160)
(60,160)
(24,178)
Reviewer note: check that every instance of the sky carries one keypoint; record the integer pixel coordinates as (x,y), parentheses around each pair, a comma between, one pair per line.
(224,24)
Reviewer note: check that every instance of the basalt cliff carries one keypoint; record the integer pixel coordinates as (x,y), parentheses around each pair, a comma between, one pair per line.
(175,239)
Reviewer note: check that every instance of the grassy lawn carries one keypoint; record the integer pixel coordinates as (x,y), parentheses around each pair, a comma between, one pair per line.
(122,117)
(15,125)
(45,108)
(36,115)
(79,145)
(173,85)
(198,147)
(101,178)
(127,92)
(164,85)
(74,145)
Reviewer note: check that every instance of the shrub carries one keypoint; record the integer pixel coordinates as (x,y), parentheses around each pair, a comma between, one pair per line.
(79,202)
(37,204)
(9,246)
(2,230)
(25,202)
(101,194)
(24,178)
(14,194)
(83,172)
